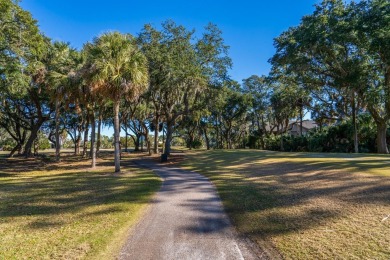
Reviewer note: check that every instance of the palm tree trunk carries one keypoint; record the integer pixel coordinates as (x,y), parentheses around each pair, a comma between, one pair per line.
(85,141)
(98,142)
(93,145)
(58,145)
(116,136)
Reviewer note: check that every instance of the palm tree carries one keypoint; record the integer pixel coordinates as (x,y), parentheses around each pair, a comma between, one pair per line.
(116,69)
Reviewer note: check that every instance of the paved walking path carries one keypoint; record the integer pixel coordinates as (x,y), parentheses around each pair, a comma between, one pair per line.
(185,221)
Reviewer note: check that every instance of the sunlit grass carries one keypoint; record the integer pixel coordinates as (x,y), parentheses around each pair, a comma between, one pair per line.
(304,205)
(67,211)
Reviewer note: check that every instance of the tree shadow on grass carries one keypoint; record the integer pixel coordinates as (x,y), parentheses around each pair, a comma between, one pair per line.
(69,162)
(270,194)
(44,224)
(221,158)
(6,174)
(284,196)
(72,193)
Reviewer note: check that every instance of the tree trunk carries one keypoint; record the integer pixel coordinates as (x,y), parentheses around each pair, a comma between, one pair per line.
(156,128)
(57,123)
(281,143)
(163,141)
(85,141)
(216,138)
(35,126)
(126,144)
(191,141)
(35,146)
(126,135)
(77,145)
(93,145)
(20,138)
(148,143)
(381,138)
(149,147)
(31,139)
(116,137)
(136,143)
(301,119)
(168,140)
(354,123)
(221,136)
(229,137)
(261,135)
(206,138)
(16,148)
(221,144)
(281,137)
(20,150)
(98,142)
(243,140)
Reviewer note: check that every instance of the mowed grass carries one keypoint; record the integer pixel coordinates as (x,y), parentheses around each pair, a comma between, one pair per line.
(304,205)
(66,210)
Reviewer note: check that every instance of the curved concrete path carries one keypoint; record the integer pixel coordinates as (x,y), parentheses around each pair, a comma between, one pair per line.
(186,221)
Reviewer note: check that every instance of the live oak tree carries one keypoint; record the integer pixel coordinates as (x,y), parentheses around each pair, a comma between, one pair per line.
(373,31)
(23,92)
(181,69)
(340,46)
(175,75)
(259,90)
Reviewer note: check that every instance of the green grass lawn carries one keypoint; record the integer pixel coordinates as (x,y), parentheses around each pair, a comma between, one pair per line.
(304,205)
(67,211)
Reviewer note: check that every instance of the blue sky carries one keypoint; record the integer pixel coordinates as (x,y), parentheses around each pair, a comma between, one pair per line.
(248,26)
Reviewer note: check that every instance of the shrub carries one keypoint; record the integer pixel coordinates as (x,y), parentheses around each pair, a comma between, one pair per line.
(338,138)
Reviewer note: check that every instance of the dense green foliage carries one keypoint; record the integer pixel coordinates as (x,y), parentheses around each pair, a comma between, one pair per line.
(333,139)
(171,81)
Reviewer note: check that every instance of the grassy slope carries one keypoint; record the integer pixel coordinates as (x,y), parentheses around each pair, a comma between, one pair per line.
(307,205)
(67,211)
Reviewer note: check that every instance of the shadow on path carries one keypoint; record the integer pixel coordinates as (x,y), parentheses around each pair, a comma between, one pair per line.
(186,221)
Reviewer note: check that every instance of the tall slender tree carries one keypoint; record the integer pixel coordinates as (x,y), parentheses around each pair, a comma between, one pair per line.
(116,69)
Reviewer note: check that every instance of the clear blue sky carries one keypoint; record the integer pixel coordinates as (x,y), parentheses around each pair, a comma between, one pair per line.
(248,26)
